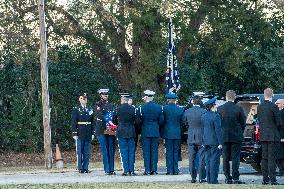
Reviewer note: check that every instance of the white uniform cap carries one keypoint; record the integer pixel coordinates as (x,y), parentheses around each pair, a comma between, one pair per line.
(103,91)
(149,93)
(279,101)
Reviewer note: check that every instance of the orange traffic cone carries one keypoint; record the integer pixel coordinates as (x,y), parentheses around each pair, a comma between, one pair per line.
(58,158)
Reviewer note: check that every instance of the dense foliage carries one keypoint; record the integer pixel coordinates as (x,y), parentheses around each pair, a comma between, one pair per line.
(122,44)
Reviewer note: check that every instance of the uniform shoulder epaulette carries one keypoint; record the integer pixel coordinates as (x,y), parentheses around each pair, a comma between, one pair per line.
(75,108)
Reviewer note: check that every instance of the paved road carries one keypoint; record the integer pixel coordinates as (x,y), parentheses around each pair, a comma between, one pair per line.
(96,176)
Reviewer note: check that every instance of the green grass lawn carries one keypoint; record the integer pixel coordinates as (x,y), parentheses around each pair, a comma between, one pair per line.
(136,186)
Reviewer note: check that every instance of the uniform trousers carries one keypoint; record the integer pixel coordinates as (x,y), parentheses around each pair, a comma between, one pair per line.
(172,155)
(127,152)
(150,153)
(212,157)
(107,144)
(83,153)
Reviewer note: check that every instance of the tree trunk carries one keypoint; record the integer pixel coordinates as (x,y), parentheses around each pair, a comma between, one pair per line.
(44,83)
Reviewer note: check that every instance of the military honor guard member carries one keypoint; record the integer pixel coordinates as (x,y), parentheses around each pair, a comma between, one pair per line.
(192,118)
(102,113)
(233,124)
(212,140)
(171,132)
(152,118)
(268,116)
(83,132)
(125,116)
(137,120)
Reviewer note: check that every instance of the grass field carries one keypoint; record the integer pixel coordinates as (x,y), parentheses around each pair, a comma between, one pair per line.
(138,186)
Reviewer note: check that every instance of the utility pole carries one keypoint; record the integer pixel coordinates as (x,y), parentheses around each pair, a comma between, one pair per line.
(44,86)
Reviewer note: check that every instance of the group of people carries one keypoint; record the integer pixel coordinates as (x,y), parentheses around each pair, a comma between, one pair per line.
(212,132)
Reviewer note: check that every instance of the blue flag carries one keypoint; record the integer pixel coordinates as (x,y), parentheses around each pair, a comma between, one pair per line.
(172,76)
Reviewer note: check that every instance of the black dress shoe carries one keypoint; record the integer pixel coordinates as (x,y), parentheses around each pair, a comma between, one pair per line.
(274,183)
(154,173)
(146,173)
(193,181)
(112,173)
(86,171)
(132,174)
(81,171)
(228,181)
(265,183)
(202,181)
(124,174)
(107,173)
(238,182)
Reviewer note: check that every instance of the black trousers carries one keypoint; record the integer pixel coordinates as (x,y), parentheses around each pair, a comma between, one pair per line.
(195,150)
(268,161)
(231,152)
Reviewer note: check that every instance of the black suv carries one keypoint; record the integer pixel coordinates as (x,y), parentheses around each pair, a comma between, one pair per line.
(251,147)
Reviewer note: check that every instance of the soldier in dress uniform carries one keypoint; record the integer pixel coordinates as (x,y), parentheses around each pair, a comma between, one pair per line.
(125,116)
(107,142)
(171,132)
(152,117)
(212,140)
(137,121)
(83,132)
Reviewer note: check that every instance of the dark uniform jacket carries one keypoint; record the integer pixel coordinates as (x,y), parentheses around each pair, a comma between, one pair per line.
(152,117)
(233,122)
(192,117)
(268,116)
(82,122)
(125,116)
(100,110)
(212,130)
(173,116)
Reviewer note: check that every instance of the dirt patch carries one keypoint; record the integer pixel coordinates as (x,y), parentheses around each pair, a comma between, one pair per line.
(37,159)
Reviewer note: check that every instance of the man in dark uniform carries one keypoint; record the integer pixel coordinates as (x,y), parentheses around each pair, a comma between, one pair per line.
(137,122)
(192,118)
(171,132)
(152,117)
(269,123)
(107,142)
(125,116)
(233,124)
(212,139)
(83,132)
(280,160)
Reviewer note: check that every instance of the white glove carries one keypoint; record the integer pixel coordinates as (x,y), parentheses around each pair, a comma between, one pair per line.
(282,140)
(75,137)
(219,147)
(93,137)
